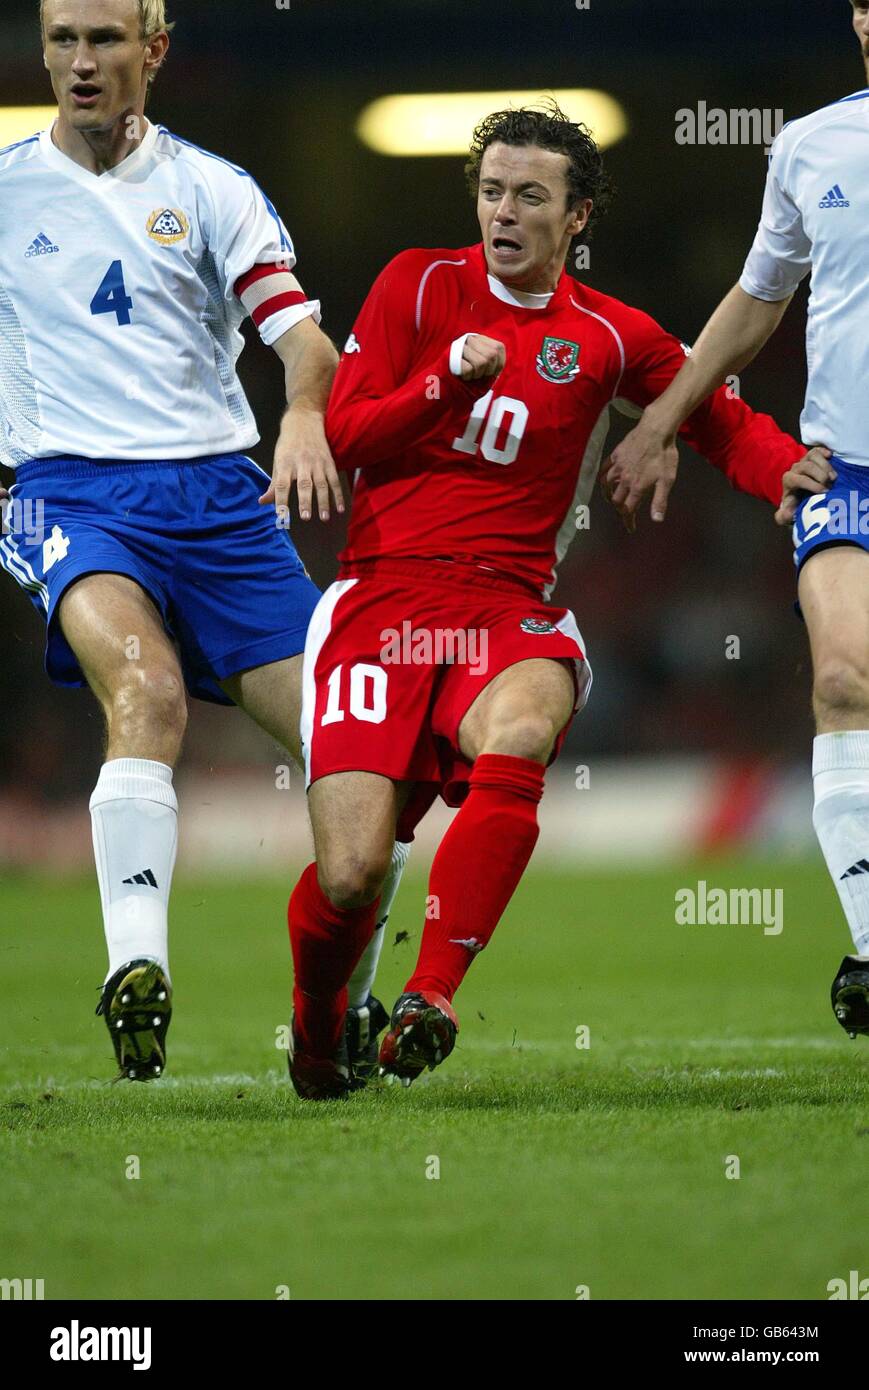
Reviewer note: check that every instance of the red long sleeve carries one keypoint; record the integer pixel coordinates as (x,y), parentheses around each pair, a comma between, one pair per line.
(383,401)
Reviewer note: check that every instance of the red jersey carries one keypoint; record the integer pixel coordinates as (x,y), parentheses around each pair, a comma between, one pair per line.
(490,472)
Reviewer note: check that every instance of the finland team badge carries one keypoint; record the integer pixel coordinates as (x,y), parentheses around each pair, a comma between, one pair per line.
(167,225)
(558,360)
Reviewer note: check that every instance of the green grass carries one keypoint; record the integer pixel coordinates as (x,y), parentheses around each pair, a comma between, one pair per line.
(559,1167)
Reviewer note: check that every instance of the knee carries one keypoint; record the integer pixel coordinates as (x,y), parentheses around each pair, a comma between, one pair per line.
(531,734)
(351,880)
(841,689)
(151,694)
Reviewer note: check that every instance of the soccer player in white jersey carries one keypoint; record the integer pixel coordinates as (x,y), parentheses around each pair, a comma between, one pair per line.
(815,218)
(141,531)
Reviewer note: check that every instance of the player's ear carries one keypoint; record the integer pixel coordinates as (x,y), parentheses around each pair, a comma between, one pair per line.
(579,216)
(156,49)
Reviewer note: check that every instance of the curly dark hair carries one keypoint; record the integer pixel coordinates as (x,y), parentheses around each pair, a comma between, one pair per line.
(548,127)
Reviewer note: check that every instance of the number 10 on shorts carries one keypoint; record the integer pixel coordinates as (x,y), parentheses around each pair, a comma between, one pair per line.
(362,690)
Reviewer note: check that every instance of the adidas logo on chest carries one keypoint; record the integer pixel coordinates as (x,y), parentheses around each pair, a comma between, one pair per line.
(41,245)
(834,199)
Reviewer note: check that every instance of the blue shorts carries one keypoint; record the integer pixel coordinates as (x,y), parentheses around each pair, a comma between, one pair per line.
(839,516)
(232,592)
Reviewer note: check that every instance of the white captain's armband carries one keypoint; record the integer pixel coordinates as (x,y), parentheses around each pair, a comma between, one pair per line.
(275,300)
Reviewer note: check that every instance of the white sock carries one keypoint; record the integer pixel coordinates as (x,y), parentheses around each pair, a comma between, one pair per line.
(134,815)
(362,979)
(840,768)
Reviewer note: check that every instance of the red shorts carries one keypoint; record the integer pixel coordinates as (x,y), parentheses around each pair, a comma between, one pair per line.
(396,655)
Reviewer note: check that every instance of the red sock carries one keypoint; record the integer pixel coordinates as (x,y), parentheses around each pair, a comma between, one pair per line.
(327,942)
(477,867)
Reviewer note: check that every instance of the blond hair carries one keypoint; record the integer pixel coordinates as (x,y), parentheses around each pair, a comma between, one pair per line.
(152,20)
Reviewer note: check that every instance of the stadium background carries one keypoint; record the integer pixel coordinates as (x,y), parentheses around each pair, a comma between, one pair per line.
(278,91)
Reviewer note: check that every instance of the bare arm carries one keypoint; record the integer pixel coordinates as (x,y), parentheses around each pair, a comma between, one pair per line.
(647,458)
(302,454)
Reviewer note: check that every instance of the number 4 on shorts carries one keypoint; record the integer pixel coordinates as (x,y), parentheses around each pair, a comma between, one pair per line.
(112,297)
(54,549)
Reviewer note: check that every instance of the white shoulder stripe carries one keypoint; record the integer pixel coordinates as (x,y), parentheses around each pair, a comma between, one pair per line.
(619,344)
(422,284)
(19,153)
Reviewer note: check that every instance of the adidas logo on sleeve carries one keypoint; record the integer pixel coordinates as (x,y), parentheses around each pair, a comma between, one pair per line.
(41,246)
(834,199)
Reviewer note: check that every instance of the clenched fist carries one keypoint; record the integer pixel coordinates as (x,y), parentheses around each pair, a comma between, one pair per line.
(482,356)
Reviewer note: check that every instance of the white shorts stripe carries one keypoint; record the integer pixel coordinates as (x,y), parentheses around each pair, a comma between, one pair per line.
(318,630)
(21,571)
(41,587)
(9,563)
(584,675)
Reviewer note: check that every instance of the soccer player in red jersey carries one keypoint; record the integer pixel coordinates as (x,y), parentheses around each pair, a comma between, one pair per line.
(473,400)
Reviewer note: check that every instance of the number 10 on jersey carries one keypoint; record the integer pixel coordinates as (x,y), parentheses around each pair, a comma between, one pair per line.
(497,413)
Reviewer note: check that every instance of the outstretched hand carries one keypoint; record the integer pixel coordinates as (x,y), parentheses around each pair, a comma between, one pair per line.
(303,460)
(642,463)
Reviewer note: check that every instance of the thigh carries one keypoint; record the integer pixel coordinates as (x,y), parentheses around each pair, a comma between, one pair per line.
(355,813)
(541,689)
(111,624)
(834,598)
(272,696)
(531,659)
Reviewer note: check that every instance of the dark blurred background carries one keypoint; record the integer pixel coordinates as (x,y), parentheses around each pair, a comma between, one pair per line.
(279,90)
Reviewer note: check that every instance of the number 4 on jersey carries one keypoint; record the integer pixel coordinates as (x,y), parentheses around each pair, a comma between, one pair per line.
(112,297)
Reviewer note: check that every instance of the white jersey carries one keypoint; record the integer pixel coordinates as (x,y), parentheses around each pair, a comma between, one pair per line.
(121,299)
(816,217)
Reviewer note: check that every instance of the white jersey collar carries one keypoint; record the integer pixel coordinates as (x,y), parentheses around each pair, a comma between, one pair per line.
(521,299)
(120,172)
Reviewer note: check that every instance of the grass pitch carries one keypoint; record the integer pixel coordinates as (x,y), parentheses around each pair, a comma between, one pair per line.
(559,1166)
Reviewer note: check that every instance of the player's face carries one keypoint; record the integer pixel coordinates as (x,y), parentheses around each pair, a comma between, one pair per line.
(524,216)
(861,27)
(97,59)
